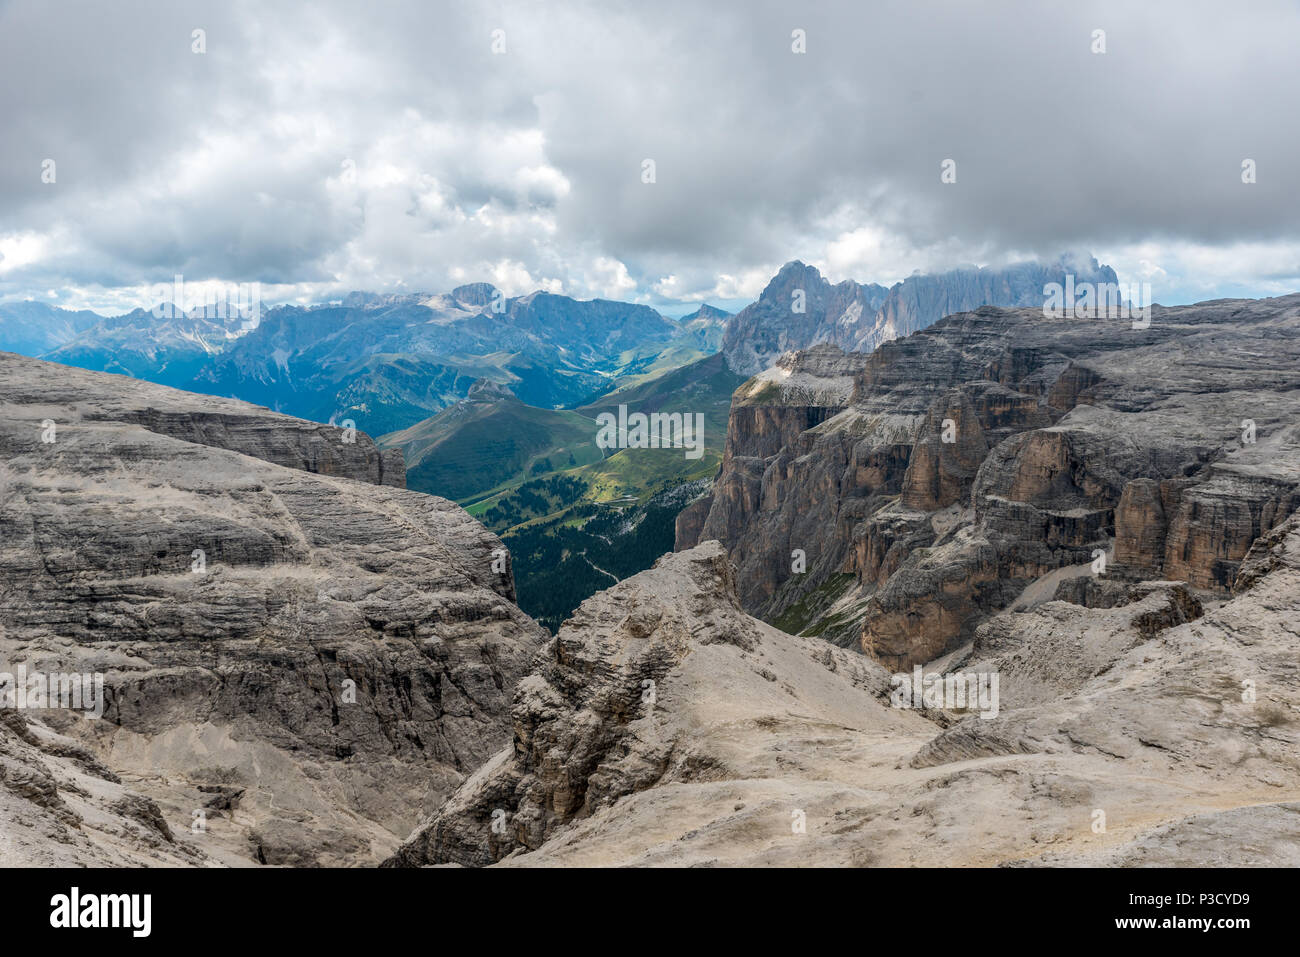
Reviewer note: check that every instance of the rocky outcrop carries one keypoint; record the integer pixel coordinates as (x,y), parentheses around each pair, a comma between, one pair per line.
(69,395)
(1200,529)
(690,523)
(61,807)
(949,448)
(1169,447)
(1141,526)
(1214,524)
(322,656)
(629,697)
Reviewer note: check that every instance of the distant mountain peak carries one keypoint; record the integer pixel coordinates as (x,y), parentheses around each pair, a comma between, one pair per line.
(799,308)
(485,390)
(706,312)
(793,275)
(474,293)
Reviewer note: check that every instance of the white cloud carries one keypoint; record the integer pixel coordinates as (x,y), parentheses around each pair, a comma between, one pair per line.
(18,250)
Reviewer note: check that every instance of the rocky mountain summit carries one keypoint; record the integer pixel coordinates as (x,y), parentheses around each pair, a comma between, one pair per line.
(296,652)
(891,501)
(799,308)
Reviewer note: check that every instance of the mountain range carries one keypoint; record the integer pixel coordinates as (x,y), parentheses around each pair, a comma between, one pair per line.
(799,308)
(493,400)
(1097,523)
(386,362)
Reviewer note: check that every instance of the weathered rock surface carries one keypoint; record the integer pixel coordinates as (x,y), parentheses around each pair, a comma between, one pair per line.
(65,394)
(1260,835)
(661,682)
(271,626)
(1157,731)
(690,523)
(1170,447)
(60,807)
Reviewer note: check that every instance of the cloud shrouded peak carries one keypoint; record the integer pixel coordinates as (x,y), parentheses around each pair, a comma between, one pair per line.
(660,154)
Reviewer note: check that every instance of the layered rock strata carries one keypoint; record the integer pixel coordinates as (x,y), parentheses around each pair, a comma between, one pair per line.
(323,657)
(970,461)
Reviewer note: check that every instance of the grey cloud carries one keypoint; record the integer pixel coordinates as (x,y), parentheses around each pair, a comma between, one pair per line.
(762,155)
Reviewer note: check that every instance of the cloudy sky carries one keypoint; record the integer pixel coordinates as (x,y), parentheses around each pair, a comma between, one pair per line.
(324,147)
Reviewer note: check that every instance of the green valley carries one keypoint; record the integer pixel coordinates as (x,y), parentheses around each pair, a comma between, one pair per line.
(575,517)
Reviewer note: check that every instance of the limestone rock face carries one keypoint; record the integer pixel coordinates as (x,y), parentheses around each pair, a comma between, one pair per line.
(1213,524)
(782,419)
(1141,526)
(949,448)
(690,523)
(337,653)
(68,395)
(1168,448)
(936,593)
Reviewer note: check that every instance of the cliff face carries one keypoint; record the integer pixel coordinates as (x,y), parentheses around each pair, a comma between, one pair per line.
(1065,438)
(305,658)
(799,308)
